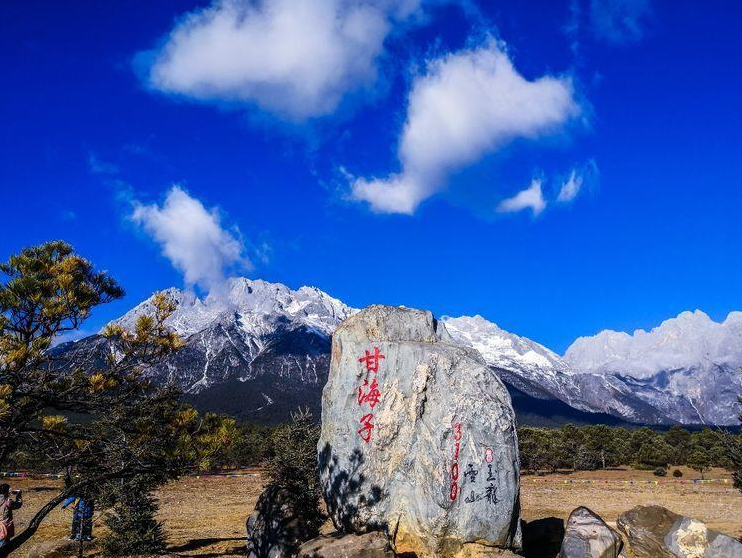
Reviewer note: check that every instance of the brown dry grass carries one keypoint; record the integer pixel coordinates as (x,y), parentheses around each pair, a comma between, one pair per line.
(716,503)
(205,516)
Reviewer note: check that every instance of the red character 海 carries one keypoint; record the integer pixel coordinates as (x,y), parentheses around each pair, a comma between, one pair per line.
(371,395)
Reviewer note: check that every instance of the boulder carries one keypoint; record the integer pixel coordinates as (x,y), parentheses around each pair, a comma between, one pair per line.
(588,536)
(370,545)
(656,532)
(275,529)
(418,438)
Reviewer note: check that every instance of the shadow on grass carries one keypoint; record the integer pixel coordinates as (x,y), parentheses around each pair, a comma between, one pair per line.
(195,544)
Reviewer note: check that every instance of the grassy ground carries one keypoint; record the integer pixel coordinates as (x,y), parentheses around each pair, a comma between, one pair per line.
(205,517)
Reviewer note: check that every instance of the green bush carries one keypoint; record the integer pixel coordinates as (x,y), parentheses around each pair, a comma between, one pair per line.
(660,472)
(677,473)
(132,525)
(293,467)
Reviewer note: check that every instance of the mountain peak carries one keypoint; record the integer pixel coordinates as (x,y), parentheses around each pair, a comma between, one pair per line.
(243,296)
(681,342)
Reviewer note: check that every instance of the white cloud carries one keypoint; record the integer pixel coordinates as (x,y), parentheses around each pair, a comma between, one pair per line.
(466,105)
(580,178)
(192,238)
(571,187)
(618,21)
(98,166)
(294,58)
(531,198)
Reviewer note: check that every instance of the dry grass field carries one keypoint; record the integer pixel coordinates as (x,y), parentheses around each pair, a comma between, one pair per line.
(205,516)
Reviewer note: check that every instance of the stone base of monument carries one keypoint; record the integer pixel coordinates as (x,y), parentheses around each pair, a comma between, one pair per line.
(274,529)
(337,545)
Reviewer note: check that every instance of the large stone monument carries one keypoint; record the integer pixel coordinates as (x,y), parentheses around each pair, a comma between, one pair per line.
(418,438)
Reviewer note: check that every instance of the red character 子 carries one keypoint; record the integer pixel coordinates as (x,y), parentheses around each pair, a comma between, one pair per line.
(371,396)
(372,360)
(368,426)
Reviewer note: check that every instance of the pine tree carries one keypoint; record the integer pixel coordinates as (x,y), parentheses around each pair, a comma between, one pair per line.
(294,466)
(700,461)
(99,419)
(735,456)
(132,523)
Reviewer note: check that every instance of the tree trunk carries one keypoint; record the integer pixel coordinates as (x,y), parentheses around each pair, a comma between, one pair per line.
(36,520)
(33,525)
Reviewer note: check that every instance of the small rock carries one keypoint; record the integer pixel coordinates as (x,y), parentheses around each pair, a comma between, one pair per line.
(275,529)
(418,438)
(370,545)
(588,536)
(656,532)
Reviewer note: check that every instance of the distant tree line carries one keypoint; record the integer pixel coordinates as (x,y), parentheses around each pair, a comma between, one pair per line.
(579,448)
(601,447)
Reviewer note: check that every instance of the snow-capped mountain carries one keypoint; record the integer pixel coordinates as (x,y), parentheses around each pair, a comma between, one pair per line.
(259,350)
(523,363)
(688,369)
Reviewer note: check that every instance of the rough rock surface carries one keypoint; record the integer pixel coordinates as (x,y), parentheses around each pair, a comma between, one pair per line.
(274,529)
(656,532)
(588,536)
(418,438)
(370,545)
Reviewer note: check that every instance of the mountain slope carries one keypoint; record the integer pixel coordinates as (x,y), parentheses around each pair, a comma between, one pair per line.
(689,368)
(260,349)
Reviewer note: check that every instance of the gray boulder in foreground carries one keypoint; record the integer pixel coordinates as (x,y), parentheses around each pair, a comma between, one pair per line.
(656,532)
(418,438)
(588,536)
(370,545)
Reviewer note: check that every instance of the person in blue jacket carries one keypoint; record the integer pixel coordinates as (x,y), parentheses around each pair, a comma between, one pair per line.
(82,517)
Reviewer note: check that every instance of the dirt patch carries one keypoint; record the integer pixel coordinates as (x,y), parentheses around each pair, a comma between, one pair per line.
(205,516)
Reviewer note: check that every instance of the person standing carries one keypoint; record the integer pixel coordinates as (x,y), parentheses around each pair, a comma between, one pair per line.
(7,505)
(82,517)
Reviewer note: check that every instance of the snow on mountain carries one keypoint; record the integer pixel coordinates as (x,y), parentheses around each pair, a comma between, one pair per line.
(688,369)
(690,340)
(260,349)
(530,367)
(253,301)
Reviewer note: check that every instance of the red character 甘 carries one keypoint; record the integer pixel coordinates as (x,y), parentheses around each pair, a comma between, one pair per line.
(372,360)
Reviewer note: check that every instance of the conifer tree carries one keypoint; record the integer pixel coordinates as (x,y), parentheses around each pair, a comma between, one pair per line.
(129,428)
(735,455)
(132,525)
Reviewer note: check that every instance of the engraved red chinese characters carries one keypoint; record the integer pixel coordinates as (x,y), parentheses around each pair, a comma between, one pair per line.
(369,393)
(454,489)
(372,360)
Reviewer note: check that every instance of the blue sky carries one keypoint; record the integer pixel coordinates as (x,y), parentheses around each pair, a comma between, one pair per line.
(415,153)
